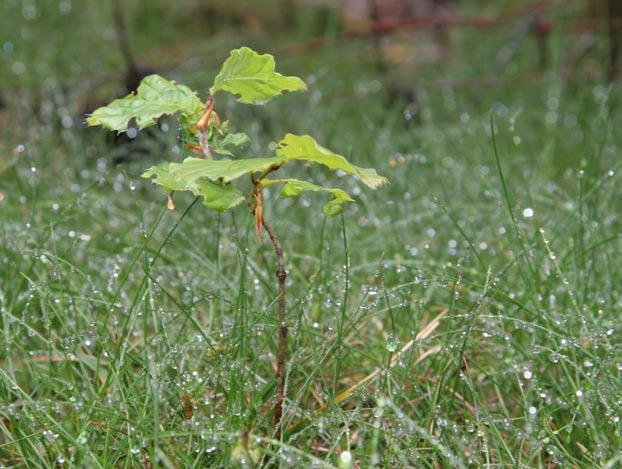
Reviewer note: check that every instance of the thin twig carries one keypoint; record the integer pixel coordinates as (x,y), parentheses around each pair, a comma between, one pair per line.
(281,275)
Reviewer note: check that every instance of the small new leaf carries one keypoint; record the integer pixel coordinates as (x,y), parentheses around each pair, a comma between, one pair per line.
(217,196)
(251,76)
(154,98)
(295,187)
(305,148)
(192,169)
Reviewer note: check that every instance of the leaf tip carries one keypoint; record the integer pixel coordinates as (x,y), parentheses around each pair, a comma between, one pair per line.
(92,121)
(379,182)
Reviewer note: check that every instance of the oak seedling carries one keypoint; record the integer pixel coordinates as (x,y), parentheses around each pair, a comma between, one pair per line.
(212,170)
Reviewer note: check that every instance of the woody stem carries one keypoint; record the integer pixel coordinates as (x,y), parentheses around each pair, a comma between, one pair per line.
(281,275)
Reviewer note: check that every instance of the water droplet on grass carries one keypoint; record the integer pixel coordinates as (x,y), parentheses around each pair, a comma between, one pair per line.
(64,7)
(392,344)
(345,459)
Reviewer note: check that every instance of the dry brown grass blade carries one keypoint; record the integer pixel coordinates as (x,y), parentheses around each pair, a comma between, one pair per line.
(55,358)
(68,358)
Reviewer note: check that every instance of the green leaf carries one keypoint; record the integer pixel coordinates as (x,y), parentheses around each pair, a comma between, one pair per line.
(231,140)
(192,169)
(295,187)
(163,177)
(305,148)
(154,98)
(251,76)
(220,197)
(215,195)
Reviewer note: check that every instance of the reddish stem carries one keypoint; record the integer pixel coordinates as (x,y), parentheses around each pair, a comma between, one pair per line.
(281,275)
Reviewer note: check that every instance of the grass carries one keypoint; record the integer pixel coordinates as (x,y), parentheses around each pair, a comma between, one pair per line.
(467,315)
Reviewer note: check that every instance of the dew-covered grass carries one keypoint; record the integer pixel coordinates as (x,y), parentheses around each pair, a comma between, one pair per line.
(466,315)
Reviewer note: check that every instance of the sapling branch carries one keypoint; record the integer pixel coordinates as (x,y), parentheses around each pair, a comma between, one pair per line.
(281,275)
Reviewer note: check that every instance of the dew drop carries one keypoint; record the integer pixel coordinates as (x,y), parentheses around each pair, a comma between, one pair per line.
(346,458)
(392,344)
(528,212)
